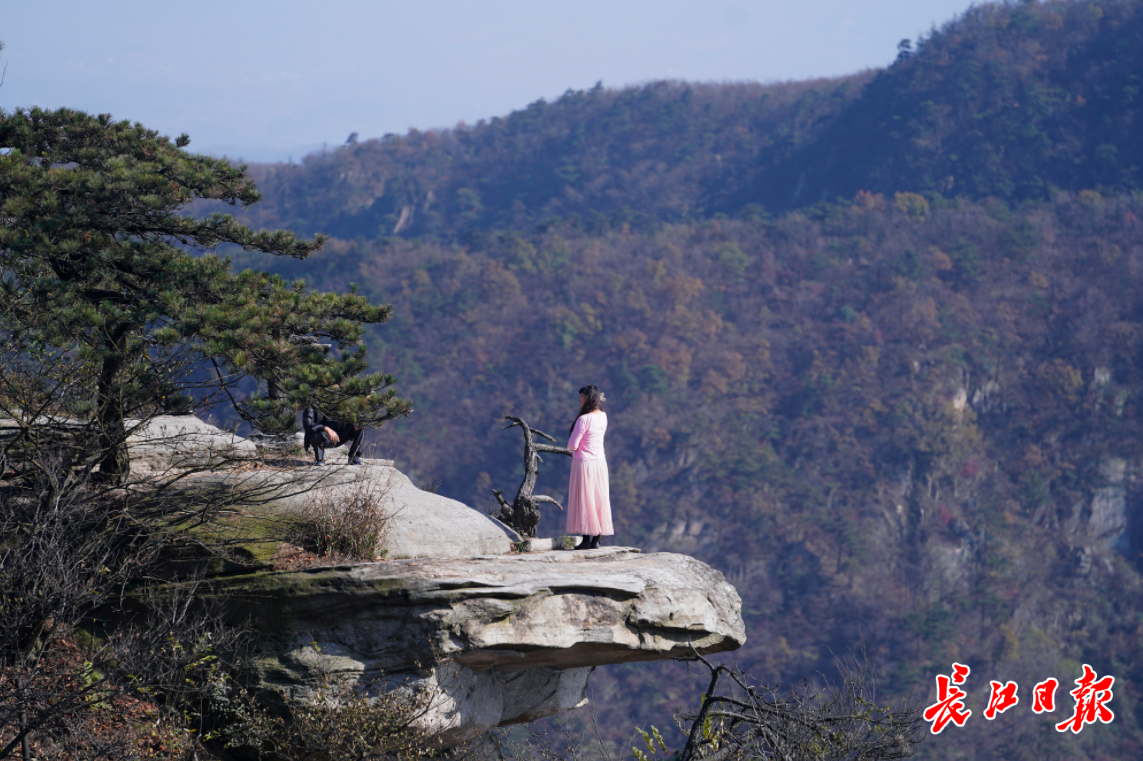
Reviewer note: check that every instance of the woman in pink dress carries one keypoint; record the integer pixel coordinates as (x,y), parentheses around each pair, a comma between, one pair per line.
(589,504)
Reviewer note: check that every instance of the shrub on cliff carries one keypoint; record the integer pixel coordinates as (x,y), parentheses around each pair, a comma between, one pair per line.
(350,523)
(337,721)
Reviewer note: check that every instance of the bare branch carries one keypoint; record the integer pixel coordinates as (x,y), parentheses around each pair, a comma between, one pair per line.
(524,512)
(816,721)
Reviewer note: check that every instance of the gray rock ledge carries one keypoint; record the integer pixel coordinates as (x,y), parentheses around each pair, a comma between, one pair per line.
(423,524)
(501,639)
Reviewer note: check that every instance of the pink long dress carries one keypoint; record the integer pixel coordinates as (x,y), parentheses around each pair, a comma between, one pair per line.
(589,501)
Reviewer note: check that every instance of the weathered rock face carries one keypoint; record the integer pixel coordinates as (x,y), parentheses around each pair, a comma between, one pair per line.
(422,524)
(164,444)
(502,639)
(183,441)
(495,638)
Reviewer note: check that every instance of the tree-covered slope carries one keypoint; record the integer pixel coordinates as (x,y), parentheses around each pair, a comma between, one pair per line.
(1014,101)
(913,425)
(640,153)
(907,415)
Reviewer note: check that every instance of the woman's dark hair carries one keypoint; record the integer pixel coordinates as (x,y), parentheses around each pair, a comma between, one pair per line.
(591,401)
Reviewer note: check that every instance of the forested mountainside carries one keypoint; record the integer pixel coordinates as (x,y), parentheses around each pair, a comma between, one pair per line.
(637,155)
(908,414)
(913,425)
(1014,101)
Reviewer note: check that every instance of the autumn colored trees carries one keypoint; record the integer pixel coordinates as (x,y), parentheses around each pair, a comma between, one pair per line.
(827,406)
(1011,100)
(114,310)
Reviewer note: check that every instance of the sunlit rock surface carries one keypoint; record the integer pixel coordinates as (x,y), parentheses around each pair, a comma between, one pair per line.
(421,524)
(183,441)
(502,639)
(496,637)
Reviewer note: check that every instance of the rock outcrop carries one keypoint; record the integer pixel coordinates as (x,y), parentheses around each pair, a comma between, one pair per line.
(500,639)
(496,637)
(163,443)
(169,442)
(422,524)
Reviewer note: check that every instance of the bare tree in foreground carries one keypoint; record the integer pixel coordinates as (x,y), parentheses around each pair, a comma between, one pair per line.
(524,512)
(740,720)
(73,546)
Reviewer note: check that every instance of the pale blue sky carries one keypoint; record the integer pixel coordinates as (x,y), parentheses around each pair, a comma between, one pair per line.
(268,80)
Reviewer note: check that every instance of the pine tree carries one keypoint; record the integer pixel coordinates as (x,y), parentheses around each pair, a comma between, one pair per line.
(98,260)
(277,331)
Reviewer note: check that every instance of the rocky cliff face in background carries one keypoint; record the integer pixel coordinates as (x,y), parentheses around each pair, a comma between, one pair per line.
(892,419)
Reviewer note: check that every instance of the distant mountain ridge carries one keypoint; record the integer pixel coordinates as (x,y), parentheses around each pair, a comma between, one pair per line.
(1015,101)
(912,425)
(657,152)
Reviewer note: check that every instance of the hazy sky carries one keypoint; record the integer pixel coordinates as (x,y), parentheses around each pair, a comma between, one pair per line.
(269,80)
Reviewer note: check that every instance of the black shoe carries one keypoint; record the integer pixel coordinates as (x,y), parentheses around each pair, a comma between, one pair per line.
(355,461)
(594,543)
(584,543)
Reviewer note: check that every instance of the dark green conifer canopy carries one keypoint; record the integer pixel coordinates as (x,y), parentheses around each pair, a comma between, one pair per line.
(100,261)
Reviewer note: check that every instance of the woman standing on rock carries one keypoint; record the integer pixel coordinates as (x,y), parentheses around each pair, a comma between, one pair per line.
(589,501)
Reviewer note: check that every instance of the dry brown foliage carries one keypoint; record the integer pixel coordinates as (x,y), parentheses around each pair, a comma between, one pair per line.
(112,724)
(338,721)
(348,521)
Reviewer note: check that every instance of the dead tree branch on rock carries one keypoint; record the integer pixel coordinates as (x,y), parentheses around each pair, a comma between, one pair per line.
(524,513)
(820,722)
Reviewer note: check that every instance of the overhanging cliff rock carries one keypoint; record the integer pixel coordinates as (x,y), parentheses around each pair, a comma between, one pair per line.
(496,636)
(502,639)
